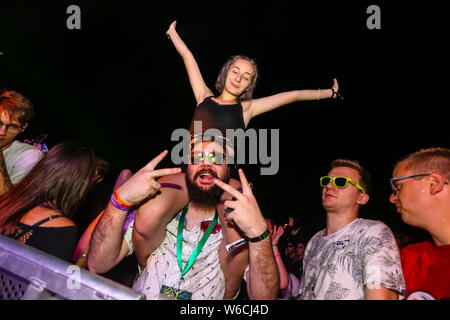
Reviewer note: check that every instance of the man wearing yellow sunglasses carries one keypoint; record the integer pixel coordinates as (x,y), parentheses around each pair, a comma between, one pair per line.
(353,258)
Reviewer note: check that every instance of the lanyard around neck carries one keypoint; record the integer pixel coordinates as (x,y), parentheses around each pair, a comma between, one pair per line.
(199,246)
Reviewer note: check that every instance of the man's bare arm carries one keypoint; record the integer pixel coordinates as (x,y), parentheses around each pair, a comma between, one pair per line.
(263,280)
(107,246)
(380,293)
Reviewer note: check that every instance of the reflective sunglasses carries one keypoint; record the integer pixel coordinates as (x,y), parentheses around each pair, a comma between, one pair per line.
(340,182)
(213,157)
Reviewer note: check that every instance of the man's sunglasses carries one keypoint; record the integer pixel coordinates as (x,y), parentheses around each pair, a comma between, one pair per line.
(213,157)
(340,182)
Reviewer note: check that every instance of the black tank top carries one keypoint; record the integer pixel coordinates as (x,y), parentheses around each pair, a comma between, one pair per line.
(222,117)
(57,241)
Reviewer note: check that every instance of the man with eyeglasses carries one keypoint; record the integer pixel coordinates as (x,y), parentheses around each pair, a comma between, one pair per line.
(420,191)
(353,258)
(16,158)
(185,256)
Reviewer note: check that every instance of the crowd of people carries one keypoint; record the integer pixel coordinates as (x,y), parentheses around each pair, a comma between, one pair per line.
(197,232)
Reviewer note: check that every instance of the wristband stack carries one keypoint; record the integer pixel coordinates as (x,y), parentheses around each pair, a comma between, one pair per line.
(119,203)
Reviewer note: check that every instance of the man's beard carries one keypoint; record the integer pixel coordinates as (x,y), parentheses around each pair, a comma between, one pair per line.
(207,198)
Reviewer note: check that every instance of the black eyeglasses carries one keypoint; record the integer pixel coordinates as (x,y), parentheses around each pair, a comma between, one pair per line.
(11,127)
(393,181)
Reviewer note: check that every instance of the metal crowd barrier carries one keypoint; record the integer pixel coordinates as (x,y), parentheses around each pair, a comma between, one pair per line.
(27,273)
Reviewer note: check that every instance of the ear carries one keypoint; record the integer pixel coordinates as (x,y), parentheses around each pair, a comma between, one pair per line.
(437,182)
(24,126)
(363,199)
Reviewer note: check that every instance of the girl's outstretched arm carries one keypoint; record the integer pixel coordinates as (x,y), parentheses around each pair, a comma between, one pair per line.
(201,91)
(258,106)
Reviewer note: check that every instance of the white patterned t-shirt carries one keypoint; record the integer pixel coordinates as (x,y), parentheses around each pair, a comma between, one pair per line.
(205,279)
(339,266)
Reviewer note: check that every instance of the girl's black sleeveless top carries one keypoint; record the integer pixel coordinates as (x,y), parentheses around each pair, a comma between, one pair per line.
(221,117)
(57,241)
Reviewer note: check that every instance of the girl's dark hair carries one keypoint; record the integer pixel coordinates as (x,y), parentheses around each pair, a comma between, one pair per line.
(59,180)
(220,82)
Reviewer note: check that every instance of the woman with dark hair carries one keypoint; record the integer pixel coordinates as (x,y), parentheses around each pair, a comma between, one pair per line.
(38,211)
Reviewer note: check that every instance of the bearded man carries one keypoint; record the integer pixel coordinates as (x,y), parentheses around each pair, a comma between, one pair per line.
(185,257)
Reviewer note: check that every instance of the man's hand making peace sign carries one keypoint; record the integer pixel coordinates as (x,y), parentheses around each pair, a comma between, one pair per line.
(143,184)
(246,213)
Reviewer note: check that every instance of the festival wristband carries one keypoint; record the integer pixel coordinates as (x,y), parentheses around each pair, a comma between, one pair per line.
(120,201)
(117,205)
(259,238)
(242,241)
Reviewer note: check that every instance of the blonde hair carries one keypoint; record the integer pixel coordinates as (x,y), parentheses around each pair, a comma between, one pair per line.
(429,160)
(365,178)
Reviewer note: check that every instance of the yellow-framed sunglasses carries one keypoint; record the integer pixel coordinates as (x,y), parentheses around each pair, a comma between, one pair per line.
(340,182)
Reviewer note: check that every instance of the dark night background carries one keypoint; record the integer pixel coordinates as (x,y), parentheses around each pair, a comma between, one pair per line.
(119,85)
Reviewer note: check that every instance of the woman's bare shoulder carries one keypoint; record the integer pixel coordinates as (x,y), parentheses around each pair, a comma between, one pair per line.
(40,213)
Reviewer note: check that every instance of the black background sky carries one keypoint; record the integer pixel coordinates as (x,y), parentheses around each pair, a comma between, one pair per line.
(119,85)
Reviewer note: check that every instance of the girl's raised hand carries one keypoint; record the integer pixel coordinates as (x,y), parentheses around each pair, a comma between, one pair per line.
(335,87)
(171,29)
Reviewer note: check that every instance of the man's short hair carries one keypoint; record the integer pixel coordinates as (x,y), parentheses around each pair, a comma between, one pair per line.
(16,106)
(365,178)
(429,160)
